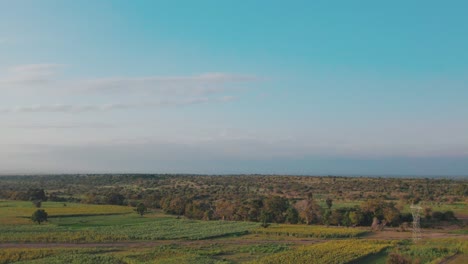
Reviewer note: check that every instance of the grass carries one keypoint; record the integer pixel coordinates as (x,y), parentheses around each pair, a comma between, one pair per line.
(379,258)
(19,212)
(79,223)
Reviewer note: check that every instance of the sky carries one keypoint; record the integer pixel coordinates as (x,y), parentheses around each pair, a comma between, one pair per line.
(220,87)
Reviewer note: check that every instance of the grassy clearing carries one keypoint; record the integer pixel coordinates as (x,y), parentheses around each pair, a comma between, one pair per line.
(310,231)
(80,223)
(19,212)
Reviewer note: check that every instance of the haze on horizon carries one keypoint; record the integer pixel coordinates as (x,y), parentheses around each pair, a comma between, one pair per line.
(296,87)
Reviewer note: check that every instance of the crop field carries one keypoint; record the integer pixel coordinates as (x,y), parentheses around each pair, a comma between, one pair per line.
(19,255)
(206,220)
(432,250)
(170,239)
(326,252)
(332,252)
(310,231)
(80,223)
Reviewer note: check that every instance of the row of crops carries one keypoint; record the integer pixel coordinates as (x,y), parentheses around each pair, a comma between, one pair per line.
(19,255)
(159,229)
(310,231)
(329,252)
(332,252)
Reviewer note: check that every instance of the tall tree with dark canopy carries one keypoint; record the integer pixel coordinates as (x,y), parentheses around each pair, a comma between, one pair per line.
(39,216)
(141,209)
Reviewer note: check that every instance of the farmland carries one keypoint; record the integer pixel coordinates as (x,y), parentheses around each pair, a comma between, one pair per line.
(78,231)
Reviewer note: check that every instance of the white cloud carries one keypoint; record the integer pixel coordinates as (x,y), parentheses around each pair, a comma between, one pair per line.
(69,108)
(30,74)
(43,86)
(206,83)
(66,125)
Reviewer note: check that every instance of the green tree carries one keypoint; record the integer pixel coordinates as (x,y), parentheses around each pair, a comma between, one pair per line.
(346,221)
(39,216)
(326,217)
(292,215)
(265,218)
(37,203)
(391,215)
(329,203)
(36,194)
(336,217)
(141,209)
(355,217)
(277,207)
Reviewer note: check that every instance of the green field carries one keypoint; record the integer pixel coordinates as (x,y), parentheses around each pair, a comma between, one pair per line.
(96,223)
(116,234)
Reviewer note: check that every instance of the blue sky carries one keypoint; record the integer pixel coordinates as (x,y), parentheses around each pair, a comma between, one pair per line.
(309,87)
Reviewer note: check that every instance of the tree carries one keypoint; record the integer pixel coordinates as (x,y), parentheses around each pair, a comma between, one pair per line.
(326,217)
(265,218)
(336,217)
(346,221)
(277,207)
(36,194)
(39,216)
(391,215)
(224,209)
(114,198)
(427,213)
(37,203)
(141,209)
(309,210)
(374,206)
(329,203)
(292,215)
(355,217)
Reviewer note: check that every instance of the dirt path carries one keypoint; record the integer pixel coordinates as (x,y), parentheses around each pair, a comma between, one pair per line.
(408,235)
(455,259)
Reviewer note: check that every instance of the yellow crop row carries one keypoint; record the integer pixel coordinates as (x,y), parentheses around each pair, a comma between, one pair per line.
(332,252)
(10,255)
(84,236)
(310,231)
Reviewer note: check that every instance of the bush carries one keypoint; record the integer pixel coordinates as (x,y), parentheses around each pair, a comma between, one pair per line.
(395,258)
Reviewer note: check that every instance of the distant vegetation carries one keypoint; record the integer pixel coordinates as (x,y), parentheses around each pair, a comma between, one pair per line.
(229,219)
(336,201)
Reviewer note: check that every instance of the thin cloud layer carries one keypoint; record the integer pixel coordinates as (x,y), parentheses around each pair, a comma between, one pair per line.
(31,76)
(42,85)
(66,108)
